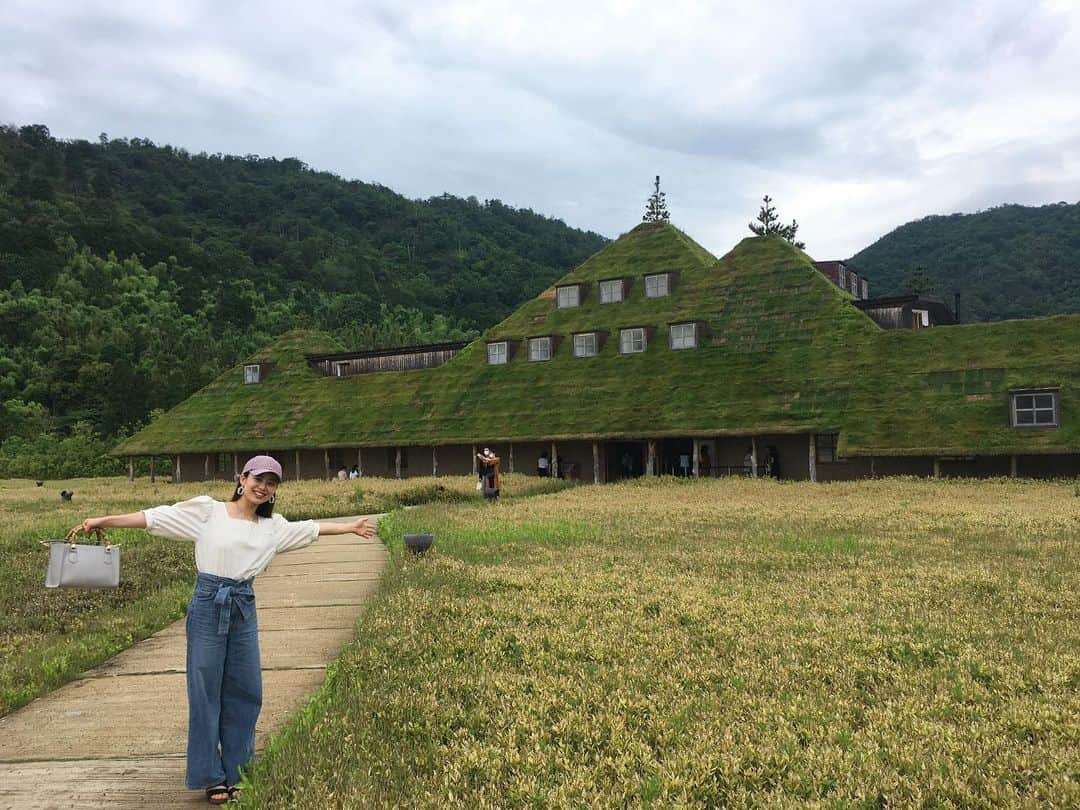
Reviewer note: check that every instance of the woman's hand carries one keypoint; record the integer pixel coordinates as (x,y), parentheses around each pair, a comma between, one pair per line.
(91,524)
(363,528)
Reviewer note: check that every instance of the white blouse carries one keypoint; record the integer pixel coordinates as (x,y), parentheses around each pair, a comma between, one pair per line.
(226,546)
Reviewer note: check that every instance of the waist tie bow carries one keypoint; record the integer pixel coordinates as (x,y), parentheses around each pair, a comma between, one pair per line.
(240,595)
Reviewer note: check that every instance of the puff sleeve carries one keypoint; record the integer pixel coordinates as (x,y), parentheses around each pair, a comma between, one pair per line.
(181,521)
(289,535)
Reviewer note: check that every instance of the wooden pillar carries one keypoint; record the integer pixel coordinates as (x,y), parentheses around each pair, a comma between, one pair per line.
(596,462)
(872,467)
(151,469)
(397,462)
(510,464)
(326,463)
(360,461)
(937,468)
(474,470)
(650,465)
(434,462)
(753,456)
(694,460)
(235,467)
(131,468)
(813,457)
(554,461)
(206,467)
(176,470)
(296,462)
(1012,466)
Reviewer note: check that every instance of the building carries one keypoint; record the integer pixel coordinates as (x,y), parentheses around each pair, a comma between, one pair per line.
(649,352)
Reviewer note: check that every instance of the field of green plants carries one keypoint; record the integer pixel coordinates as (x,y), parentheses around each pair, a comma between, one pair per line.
(49,636)
(733,643)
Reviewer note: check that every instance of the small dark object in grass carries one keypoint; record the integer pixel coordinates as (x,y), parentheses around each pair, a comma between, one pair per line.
(419,543)
(39,483)
(66,494)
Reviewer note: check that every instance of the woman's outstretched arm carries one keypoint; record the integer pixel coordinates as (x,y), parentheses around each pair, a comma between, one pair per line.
(132,520)
(361,527)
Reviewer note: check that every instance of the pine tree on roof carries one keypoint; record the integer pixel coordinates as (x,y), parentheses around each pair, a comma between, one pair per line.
(656,208)
(768,224)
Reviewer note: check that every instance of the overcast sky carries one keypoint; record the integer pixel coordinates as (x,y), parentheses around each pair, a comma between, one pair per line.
(855,117)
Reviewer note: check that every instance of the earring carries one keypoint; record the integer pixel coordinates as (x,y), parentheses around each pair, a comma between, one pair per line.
(240,489)
(273,498)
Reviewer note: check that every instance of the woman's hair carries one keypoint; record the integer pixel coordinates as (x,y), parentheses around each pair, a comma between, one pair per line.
(263,510)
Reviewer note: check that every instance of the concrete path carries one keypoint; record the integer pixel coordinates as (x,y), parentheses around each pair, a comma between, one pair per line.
(116,737)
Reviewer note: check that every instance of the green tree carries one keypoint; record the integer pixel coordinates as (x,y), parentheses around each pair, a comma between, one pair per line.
(919,281)
(768,224)
(656,207)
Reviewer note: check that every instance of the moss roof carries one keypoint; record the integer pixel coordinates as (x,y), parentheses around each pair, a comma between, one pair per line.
(782,350)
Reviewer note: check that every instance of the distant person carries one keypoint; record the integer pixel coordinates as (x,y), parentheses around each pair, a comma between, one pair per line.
(627,463)
(342,474)
(354,472)
(543,465)
(490,481)
(234,542)
(772,462)
(748,461)
(704,463)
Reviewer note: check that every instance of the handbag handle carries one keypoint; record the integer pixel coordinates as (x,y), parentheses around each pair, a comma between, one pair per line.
(102,537)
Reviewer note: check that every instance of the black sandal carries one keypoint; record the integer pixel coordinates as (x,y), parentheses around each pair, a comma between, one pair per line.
(234,793)
(218,794)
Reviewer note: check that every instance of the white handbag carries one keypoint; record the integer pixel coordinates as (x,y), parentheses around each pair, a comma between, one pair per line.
(82,565)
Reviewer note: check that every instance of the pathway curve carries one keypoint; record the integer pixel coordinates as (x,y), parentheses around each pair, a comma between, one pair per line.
(116,737)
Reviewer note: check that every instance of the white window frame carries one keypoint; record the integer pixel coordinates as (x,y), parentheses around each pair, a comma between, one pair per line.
(865,288)
(678,341)
(920,318)
(539,349)
(568,296)
(854,284)
(632,340)
(252,374)
(611,291)
(1035,403)
(657,292)
(498,353)
(581,344)
(841,277)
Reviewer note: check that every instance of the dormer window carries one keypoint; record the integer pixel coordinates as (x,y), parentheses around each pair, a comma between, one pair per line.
(611,291)
(682,336)
(1035,408)
(539,349)
(586,344)
(632,341)
(657,285)
(568,296)
(497,354)
(251,374)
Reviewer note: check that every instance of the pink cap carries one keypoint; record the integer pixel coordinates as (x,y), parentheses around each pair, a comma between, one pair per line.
(257,465)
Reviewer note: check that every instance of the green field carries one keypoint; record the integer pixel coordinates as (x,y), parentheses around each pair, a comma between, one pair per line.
(887,643)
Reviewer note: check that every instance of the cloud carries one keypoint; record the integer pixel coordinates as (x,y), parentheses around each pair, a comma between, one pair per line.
(855,117)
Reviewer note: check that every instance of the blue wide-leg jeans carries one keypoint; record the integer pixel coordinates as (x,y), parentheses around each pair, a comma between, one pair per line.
(224,680)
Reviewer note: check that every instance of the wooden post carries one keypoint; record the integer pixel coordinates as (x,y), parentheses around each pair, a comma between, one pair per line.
(554,461)
(650,465)
(235,467)
(296,461)
(596,462)
(176,470)
(510,465)
(326,463)
(206,467)
(131,468)
(360,461)
(1012,466)
(872,467)
(474,471)
(397,462)
(813,457)
(434,462)
(151,469)
(694,460)
(753,456)
(937,468)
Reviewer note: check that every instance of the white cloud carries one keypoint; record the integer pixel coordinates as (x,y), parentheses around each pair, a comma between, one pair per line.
(855,117)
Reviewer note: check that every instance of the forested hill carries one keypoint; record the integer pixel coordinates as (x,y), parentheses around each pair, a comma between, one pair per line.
(1007,262)
(131,273)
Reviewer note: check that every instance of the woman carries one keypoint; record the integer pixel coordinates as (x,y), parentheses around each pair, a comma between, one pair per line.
(489,474)
(234,542)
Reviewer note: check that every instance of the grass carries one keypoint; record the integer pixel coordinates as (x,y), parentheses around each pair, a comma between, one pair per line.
(735,643)
(48,637)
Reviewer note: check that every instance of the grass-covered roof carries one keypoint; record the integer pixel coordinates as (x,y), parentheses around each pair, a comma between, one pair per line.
(782,350)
